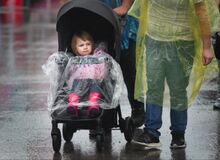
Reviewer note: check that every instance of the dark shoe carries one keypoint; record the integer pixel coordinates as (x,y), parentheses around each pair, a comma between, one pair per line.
(178,141)
(137,115)
(147,140)
(216,105)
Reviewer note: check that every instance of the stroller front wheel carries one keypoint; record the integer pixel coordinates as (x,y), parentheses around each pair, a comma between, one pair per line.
(99,141)
(67,132)
(129,129)
(56,139)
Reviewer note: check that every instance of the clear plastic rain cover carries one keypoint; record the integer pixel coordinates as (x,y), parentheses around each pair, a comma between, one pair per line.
(82,80)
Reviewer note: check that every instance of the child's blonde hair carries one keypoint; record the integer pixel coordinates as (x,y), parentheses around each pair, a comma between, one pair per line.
(84,36)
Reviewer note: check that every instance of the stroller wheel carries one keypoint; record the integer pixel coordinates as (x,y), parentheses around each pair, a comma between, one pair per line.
(67,132)
(129,129)
(99,141)
(56,139)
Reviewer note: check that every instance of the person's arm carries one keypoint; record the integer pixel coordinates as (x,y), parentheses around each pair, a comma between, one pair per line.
(205,32)
(123,9)
(217,2)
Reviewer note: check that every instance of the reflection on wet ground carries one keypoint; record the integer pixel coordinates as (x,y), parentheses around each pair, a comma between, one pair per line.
(25,124)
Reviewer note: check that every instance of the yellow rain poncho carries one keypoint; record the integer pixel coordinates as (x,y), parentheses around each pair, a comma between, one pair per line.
(140,10)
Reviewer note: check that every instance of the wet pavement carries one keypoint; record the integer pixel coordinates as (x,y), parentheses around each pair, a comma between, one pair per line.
(25,124)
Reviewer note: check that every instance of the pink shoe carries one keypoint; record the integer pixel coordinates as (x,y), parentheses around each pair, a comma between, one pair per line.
(72,106)
(93,107)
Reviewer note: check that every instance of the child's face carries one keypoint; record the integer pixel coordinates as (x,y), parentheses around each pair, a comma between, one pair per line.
(83,47)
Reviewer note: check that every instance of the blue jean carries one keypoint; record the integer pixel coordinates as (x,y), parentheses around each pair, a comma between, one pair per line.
(169,62)
(153,120)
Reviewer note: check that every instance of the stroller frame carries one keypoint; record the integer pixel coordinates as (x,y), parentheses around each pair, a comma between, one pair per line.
(100,125)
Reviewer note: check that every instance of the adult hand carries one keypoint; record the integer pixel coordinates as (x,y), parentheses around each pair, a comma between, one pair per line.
(207,57)
(123,9)
(120,11)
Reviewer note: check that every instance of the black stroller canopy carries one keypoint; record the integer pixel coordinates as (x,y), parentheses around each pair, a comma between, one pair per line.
(92,16)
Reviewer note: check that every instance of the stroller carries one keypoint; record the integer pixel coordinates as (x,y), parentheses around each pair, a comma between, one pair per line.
(99,20)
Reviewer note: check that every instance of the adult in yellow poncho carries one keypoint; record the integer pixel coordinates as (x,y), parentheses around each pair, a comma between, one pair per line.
(216,46)
(173,45)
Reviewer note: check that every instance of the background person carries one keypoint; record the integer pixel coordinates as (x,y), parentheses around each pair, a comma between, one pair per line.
(127,58)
